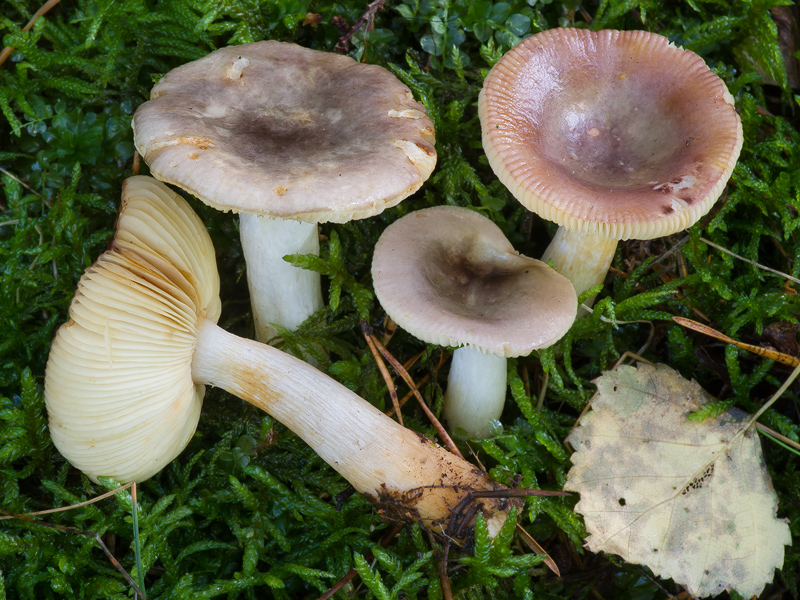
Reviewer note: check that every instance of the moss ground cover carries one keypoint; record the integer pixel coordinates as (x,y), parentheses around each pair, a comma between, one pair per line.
(248,511)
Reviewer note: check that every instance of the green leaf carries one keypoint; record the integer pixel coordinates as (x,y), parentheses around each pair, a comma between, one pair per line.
(369,578)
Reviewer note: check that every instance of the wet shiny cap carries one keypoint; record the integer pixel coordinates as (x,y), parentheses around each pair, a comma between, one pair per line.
(283,131)
(449,276)
(616,132)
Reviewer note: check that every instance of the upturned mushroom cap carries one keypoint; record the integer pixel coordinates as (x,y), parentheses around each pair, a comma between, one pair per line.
(615,132)
(118,385)
(126,375)
(449,276)
(280,130)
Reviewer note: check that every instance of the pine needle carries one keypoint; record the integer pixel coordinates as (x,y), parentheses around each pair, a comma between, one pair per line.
(780,357)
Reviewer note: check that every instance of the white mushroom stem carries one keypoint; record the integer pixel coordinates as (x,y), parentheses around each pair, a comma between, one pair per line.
(279,292)
(583,258)
(476,391)
(407,476)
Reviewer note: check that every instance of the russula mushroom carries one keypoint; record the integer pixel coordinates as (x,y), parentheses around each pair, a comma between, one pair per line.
(126,374)
(449,276)
(613,135)
(287,137)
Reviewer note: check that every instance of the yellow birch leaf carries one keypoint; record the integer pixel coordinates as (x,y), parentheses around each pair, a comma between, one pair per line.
(692,501)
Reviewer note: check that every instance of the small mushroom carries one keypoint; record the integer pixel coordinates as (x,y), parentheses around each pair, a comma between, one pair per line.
(126,376)
(287,137)
(449,276)
(613,135)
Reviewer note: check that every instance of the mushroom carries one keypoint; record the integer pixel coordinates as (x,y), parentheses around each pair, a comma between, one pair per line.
(613,135)
(287,137)
(126,376)
(449,276)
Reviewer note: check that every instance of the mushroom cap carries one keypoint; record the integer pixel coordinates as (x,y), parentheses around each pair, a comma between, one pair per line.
(283,131)
(616,132)
(449,276)
(118,384)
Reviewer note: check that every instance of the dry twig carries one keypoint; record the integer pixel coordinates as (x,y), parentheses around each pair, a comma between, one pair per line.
(769,353)
(26,517)
(6,52)
(748,261)
(443,435)
(368,19)
(382,367)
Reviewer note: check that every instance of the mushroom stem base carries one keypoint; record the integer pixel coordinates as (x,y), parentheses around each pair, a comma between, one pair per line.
(279,292)
(476,392)
(583,258)
(408,476)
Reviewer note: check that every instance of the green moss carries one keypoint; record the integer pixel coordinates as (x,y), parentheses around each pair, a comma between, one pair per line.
(248,510)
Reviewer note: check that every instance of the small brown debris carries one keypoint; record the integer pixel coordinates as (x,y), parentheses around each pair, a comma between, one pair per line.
(312,19)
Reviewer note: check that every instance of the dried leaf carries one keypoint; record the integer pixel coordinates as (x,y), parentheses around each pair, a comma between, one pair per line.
(692,501)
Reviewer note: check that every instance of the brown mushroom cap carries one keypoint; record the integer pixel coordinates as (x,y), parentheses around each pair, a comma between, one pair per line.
(617,132)
(449,276)
(280,130)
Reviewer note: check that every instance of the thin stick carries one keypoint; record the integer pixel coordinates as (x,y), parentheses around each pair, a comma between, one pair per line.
(589,309)
(407,365)
(775,396)
(408,396)
(441,566)
(777,437)
(516,493)
(366,330)
(45,8)
(632,356)
(447,592)
(443,435)
(368,18)
(543,391)
(389,329)
(671,251)
(80,504)
(661,587)
(765,352)
(23,184)
(531,543)
(136,547)
(90,534)
(411,361)
(747,260)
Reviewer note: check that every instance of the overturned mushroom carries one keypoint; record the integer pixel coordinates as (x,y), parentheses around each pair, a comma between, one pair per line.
(126,375)
(449,276)
(613,135)
(287,137)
